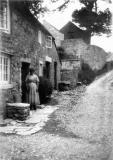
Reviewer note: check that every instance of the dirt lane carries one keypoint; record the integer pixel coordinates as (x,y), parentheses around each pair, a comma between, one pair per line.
(95,111)
(88,125)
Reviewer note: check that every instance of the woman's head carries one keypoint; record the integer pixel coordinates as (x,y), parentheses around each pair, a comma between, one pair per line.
(31,70)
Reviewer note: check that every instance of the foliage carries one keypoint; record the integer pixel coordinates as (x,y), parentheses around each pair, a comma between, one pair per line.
(45,89)
(63,5)
(86,74)
(106,68)
(35,6)
(88,17)
(61,52)
(91,19)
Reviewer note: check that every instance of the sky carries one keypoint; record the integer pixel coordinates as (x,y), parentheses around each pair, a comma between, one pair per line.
(59,19)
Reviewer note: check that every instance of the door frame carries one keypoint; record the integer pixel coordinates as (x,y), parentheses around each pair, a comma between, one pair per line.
(55,74)
(28,63)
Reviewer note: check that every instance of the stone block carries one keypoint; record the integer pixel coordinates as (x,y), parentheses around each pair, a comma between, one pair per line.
(18,111)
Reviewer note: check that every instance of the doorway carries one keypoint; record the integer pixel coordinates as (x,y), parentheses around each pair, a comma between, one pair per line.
(47,70)
(24,72)
(55,75)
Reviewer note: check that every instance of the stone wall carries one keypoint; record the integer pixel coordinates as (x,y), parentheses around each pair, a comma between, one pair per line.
(74,48)
(70,76)
(77,49)
(95,56)
(22,45)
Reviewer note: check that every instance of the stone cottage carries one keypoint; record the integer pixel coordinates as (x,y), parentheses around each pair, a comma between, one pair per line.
(24,42)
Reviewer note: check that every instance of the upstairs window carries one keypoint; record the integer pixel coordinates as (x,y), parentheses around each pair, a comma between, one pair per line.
(40,37)
(4,68)
(4,16)
(49,42)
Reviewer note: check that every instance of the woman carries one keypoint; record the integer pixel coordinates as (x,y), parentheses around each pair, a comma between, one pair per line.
(32,83)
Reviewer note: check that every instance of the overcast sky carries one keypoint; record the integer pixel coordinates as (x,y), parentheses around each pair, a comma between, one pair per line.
(59,19)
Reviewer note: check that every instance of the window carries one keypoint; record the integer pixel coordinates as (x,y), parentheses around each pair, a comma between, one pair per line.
(49,42)
(40,37)
(4,68)
(40,68)
(4,15)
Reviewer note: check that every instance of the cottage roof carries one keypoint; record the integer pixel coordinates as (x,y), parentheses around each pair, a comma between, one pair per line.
(55,32)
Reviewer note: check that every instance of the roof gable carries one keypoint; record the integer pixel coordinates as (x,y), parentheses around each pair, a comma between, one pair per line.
(70,26)
(55,32)
(71,31)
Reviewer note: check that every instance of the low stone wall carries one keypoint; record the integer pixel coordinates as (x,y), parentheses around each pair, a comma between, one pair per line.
(71,76)
(18,111)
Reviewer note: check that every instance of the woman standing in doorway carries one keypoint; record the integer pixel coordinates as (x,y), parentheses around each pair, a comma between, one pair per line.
(32,83)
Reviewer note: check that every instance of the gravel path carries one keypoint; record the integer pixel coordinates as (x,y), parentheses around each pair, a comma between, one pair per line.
(81,129)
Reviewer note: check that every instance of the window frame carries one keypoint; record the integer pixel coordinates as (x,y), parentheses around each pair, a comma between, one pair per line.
(5,68)
(41,64)
(7,28)
(49,39)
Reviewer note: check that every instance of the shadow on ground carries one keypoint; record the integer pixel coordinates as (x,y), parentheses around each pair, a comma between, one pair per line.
(53,125)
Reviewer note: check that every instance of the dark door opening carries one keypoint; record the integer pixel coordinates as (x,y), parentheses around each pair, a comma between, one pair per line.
(47,70)
(55,75)
(24,72)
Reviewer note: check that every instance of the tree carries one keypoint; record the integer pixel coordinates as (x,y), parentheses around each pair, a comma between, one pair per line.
(35,6)
(91,19)
(88,17)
